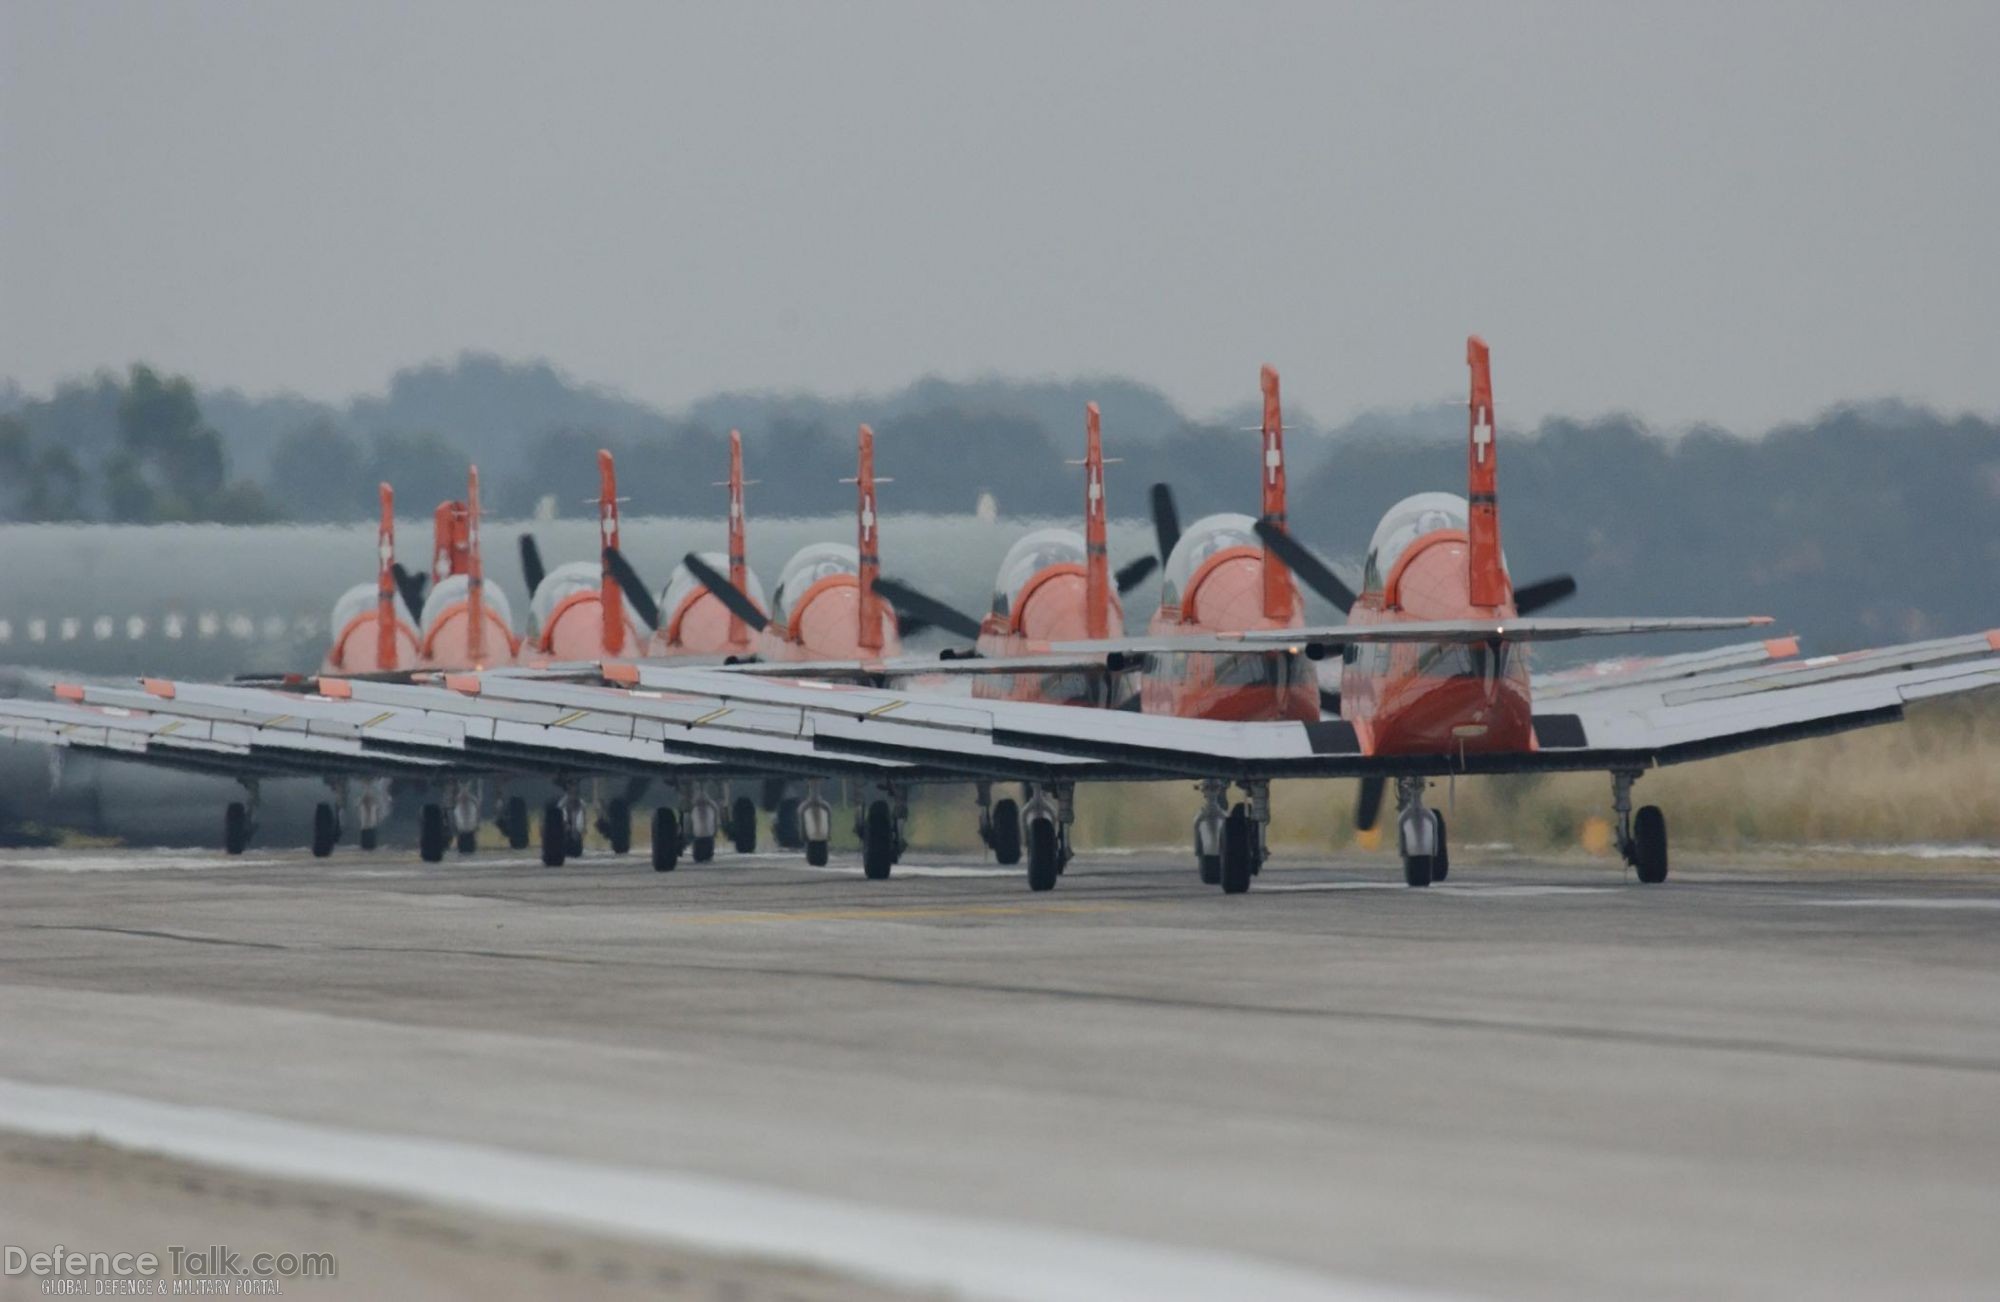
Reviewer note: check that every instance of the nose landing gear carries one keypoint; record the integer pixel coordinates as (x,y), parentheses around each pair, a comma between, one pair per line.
(1420,833)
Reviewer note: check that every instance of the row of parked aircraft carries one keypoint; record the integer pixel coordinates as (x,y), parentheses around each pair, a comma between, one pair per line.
(706,690)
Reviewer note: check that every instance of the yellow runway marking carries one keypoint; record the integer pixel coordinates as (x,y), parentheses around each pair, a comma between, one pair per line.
(895,914)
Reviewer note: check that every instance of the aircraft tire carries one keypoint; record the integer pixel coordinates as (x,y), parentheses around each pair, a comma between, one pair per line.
(618,825)
(370,837)
(1006,832)
(431,834)
(1211,868)
(326,830)
(555,836)
(785,825)
(666,840)
(468,842)
(235,827)
(1044,856)
(743,825)
(1649,845)
(518,831)
(1238,851)
(1441,861)
(1416,870)
(816,853)
(703,849)
(878,841)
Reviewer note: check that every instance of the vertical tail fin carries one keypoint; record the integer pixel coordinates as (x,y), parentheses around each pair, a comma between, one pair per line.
(610,597)
(870,633)
(475,575)
(739,564)
(445,549)
(1278,590)
(1486,579)
(1096,564)
(386,622)
(869,547)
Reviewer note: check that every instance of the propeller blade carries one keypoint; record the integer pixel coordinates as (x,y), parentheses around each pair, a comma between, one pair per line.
(632,586)
(412,588)
(915,605)
(1542,593)
(1166,521)
(1134,573)
(1368,807)
(1329,703)
(1315,572)
(727,593)
(532,568)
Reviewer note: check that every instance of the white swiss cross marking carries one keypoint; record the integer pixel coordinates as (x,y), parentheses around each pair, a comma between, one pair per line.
(868,517)
(1274,459)
(1482,437)
(607,525)
(387,551)
(736,508)
(1096,491)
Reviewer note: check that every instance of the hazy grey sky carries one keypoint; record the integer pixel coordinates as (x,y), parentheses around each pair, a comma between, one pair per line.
(1728,211)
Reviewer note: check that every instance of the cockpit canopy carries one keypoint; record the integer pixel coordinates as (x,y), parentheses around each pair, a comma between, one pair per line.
(452,589)
(1030,555)
(558,585)
(808,566)
(682,584)
(1405,522)
(360,600)
(1206,537)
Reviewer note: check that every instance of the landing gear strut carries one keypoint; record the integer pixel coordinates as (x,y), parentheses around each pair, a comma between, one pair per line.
(1642,837)
(1420,835)
(1230,841)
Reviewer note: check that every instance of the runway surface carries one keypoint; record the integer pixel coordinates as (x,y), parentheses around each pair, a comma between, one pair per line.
(1773,1075)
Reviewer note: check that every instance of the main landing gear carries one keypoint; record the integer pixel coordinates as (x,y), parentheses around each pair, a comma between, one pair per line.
(1231,842)
(1046,820)
(878,821)
(562,825)
(999,825)
(1420,834)
(239,820)
(1642,837)
(815,824)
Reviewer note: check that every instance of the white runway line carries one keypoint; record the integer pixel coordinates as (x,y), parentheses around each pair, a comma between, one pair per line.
(73,861)
(979,1259)
(1495,891)
(918,870)
(1897,902)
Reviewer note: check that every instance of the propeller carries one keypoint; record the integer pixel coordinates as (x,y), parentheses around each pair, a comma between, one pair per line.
(1316,574)
(726,592)
(532,568)
(915,611)
(411,586)
(628,582)
(1368,805)
(1166,521)
(1133,573)
(1543,593)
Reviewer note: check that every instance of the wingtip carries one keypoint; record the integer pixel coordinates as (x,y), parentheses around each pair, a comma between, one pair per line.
(1781,648)
(160,687)
(620,671)
(1993,638)
(69,691)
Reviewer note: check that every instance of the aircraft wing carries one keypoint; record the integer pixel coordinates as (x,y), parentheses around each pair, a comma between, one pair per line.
(1634,670)
(1636,724)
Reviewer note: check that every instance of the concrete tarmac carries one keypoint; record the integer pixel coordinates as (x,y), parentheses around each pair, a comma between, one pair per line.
(1774,1075)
